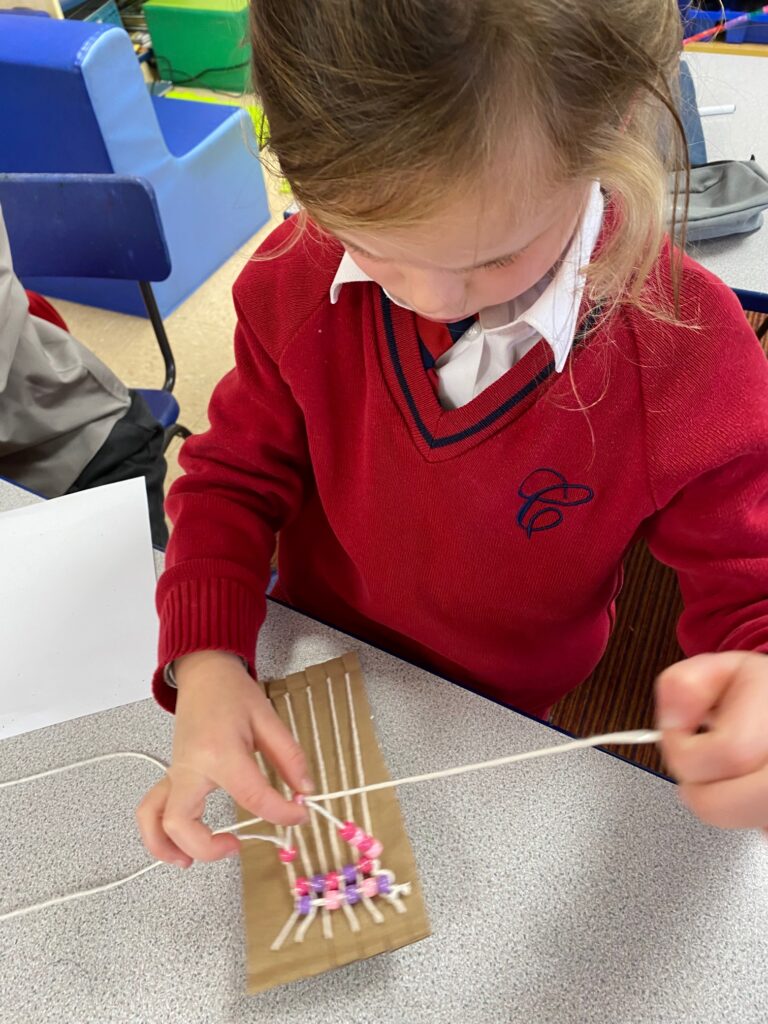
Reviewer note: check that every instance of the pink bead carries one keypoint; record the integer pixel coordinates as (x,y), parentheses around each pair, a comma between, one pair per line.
(370,887)
(332,881)
(333,899)
(365,865)
(299,798)
(365,844)
(348,830)
(287,854)
(375,849)
(302,887)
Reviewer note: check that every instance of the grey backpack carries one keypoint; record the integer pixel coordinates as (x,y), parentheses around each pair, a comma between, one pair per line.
(727,197)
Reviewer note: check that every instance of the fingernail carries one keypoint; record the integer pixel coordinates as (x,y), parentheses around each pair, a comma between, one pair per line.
(670,721)
(307,785)
(181,863)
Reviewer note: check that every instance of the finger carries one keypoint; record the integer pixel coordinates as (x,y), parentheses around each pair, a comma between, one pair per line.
(736,742)
(688,691)
(149,816)
(282,751)
(242,779)
(181,820)
(735,803)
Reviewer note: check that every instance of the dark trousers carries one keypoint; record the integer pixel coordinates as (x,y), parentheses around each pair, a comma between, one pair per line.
(134,448)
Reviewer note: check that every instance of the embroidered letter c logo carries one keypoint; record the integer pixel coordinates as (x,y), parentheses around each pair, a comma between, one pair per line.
(545,494)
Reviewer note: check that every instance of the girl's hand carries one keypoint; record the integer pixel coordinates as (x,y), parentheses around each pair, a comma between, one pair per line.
(723,771)
(222,717)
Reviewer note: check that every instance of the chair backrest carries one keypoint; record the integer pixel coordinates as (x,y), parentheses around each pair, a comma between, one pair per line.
(84,225)
(47,120)
(73,100)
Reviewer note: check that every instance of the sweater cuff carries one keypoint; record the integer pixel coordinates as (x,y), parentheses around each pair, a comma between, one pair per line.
(205,615)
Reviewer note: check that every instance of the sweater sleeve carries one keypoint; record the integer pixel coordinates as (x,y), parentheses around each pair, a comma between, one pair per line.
(243,480)
(708,466)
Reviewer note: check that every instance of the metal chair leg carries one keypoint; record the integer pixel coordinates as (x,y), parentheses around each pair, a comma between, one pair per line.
(177,430)
(162,338)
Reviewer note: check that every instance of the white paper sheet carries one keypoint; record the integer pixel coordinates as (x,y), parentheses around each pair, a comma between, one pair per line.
(78,631)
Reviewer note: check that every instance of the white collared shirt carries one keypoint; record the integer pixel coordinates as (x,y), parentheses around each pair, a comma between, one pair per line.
(503,334)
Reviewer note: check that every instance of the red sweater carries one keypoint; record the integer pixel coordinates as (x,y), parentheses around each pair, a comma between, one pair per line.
(485,542)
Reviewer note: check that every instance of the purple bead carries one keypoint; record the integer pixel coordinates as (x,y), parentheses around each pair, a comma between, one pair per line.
(318,883)
(352,895)
(350,873)
(385,886)
(303,905)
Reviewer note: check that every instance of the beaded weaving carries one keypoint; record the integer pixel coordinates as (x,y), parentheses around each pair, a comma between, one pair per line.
(344,886)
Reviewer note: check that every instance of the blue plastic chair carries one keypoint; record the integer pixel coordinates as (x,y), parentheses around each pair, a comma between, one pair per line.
(95,225)
(74,102)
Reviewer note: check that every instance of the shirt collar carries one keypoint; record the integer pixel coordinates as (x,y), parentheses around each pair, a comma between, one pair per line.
(551,307)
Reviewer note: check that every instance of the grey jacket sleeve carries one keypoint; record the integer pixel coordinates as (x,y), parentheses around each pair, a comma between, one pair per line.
(58,402)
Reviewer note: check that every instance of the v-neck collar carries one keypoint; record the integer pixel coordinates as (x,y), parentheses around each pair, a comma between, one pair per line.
(440,433)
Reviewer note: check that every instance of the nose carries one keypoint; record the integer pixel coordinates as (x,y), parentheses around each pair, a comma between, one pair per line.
(437,293)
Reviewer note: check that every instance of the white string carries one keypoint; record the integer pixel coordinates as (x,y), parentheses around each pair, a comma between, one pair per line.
(333,822)
(320,847)
(638,736)
(79,893)
(342,771)
(285,932)
(344,792)
(283,834)
(84,764)
(358,753)
(372,909)
(609,739)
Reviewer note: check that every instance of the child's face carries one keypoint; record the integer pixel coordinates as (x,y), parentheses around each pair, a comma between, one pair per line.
(474,254)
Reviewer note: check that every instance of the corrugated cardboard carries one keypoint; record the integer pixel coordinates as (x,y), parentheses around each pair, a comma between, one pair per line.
(268,902)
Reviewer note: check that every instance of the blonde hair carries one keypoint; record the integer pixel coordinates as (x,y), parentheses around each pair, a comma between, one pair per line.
(380,111)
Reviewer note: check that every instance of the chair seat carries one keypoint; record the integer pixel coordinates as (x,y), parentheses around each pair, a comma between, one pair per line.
(185,124)
(162,405)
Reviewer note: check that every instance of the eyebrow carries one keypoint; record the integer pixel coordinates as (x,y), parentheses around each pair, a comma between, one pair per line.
(459,270)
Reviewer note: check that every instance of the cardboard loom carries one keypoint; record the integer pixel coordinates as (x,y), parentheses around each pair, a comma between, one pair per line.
(267,896)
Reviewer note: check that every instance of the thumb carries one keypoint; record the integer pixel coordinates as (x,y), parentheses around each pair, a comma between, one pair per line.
(687,692)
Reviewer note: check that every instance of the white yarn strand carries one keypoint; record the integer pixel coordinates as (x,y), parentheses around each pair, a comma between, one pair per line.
(325,915)
(333,822)
(80,893)
(609,739)
(56,901)
(639,736)
(84,764)
(357,752)
(348,810)
(344,793)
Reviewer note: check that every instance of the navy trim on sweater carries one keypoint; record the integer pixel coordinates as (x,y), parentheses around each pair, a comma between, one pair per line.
(491,417)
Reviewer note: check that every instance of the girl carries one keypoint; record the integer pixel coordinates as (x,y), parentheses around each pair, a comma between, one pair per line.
(464,385)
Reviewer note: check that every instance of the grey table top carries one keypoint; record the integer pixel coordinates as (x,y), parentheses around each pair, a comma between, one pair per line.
(573,890)
(741,260)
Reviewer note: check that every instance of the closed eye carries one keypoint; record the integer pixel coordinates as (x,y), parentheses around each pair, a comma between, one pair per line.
(354,251)
(505,261)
